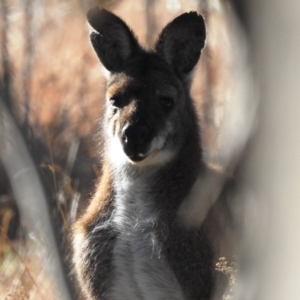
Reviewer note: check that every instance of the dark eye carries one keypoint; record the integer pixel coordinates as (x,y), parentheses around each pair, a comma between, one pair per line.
(166,102)
(116,101)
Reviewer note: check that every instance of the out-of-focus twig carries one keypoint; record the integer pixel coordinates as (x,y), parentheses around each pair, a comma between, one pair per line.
(5,83)
(6,216)
(150,21)
(28,54)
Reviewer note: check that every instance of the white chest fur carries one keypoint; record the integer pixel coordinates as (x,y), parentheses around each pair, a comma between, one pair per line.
(141,270)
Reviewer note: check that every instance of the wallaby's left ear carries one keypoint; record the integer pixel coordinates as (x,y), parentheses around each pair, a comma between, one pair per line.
(181,41)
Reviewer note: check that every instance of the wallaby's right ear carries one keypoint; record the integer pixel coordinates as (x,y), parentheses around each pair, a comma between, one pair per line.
(113,42)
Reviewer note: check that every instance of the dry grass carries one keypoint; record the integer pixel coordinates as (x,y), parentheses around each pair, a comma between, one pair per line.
(19,263)
(24,273)
(230,271)
(62,79)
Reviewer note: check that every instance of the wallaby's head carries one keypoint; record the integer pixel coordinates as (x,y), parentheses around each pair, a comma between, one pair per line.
(149,113)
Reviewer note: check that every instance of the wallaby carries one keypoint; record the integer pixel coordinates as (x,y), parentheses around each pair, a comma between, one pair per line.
(139,238)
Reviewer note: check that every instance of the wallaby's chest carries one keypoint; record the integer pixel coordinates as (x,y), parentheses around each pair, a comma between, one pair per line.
(140,267)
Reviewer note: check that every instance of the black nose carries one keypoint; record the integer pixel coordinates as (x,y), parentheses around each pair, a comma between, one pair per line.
(135,134)
(136,140)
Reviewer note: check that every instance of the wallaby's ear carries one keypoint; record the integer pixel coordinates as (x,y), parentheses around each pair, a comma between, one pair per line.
(113,42)
(181,41)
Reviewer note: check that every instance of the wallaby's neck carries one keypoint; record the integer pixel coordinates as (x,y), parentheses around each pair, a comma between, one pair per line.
(166,186)
(174,181)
